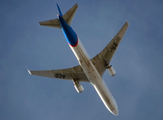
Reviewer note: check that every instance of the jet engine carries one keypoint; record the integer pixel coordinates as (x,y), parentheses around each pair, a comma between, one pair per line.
(79,88)
(111,70)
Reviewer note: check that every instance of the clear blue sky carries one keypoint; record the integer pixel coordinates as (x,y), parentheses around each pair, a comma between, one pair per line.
(137,87)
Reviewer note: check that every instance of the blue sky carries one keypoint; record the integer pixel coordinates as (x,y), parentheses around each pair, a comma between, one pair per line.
(137,87)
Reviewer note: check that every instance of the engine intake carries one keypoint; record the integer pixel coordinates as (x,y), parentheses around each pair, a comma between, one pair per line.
(79,88)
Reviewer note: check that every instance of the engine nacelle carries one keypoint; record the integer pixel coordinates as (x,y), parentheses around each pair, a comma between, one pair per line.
(79,88)
(111,70)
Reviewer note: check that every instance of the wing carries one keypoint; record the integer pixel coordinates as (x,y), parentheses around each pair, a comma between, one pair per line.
(108,52)
(65,74)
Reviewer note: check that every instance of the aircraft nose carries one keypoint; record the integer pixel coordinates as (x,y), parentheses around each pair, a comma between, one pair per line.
(115,108)
(115,112)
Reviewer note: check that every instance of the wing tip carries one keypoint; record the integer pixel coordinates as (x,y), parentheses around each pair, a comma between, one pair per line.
(29,72)
(127,22)
(40,23)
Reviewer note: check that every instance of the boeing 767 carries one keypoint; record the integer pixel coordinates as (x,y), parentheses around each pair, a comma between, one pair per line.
(88,70)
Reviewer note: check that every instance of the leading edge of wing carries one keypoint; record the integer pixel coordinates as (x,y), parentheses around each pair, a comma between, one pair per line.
(65,74)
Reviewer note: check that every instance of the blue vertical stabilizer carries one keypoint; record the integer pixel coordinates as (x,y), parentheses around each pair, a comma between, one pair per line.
(60,13)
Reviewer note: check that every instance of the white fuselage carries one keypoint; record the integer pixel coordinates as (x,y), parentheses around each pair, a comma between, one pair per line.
(95,78)
(88,67)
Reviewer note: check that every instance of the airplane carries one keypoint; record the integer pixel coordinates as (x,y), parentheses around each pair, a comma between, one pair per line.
(88,70)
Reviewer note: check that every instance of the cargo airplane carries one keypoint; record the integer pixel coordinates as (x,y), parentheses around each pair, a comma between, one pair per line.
(88,70)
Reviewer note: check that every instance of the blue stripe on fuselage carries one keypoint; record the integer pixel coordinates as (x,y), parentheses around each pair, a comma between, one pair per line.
(69,34)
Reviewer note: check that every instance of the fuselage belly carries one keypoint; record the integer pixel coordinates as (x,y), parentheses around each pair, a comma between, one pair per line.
(95,78)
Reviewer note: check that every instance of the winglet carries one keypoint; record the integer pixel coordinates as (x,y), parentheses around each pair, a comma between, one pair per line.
(29,72)
(60,13)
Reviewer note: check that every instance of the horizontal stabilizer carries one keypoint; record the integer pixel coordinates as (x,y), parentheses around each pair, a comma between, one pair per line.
(68,16)
(51,23)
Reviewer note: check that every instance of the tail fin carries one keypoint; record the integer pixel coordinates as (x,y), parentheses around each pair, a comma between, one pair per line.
(68,16)
(60,13)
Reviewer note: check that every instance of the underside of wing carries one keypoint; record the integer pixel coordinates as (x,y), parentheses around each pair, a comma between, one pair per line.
(51,23)
(111,48)
(65,74)
(68,16)
(107,53)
